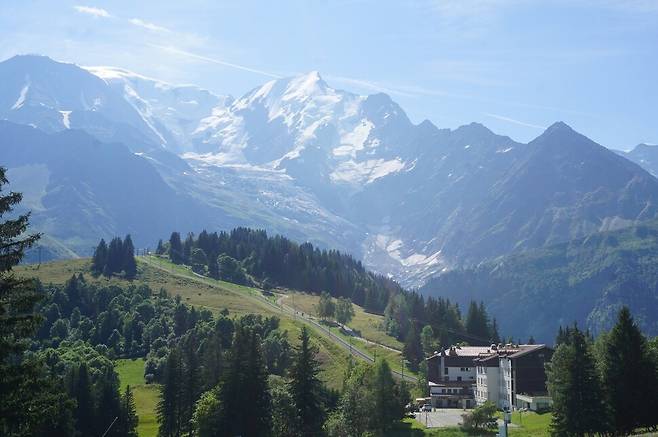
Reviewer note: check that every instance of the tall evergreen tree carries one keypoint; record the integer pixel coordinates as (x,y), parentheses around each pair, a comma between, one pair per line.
(108,409)
(129,266)
(83,394)
(99,260)
(191,386)
(18,403)
(388,403)
(574,385)
(170,406)
(129,420)
(305,386)
(629,376)
(412,349)
(175,248)
(477,323)
(188,245)
(495,336)
(160,249)
(114,257)
(241,403)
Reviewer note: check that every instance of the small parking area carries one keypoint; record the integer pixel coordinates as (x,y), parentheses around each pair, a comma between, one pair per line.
(441,417)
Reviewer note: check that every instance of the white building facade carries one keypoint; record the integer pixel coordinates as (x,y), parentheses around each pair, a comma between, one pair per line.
(513,377)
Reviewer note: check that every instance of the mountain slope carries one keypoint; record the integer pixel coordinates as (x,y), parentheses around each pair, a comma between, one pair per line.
(586,280)
(80,189)
(644,155)
(301,158)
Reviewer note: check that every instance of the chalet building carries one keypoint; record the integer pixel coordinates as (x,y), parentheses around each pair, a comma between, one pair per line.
(513,376)
(452,376)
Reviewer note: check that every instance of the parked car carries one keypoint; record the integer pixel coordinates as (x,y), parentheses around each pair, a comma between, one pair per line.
(427,407)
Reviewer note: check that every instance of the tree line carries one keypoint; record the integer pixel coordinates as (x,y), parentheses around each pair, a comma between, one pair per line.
(245,253)
(118,257)
(428,325)
(605,386)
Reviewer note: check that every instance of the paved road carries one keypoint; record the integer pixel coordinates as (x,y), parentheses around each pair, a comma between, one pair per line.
(441,417)
(447,417)
(280,306)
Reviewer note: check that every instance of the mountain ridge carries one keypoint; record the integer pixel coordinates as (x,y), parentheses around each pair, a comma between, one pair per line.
(301,158)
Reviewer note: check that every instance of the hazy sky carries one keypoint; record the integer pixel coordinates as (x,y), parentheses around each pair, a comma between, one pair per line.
(514,65)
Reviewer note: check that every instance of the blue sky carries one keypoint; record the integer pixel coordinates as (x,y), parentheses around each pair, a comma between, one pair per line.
(514,65)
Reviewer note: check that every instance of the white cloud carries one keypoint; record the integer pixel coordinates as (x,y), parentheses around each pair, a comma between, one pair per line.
(374,86)
(148,25)
(513,121)
(94,12)
(176,51)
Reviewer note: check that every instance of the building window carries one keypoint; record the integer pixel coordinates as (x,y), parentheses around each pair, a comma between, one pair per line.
(459,378)
(445,371)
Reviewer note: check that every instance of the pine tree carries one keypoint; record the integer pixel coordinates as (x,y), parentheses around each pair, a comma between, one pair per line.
(191,387)
(412,349)
(388,405)
(129,266)
(109,403)
(175,248)
(114,257)
(495,336)
(574,385)
(257,390)
(17,322)
(99,260)
(477,323)
(129,419)
(187,248)
(629,376)
(241,404)
(82,393)
(305,387)
(160,250)
(169,408)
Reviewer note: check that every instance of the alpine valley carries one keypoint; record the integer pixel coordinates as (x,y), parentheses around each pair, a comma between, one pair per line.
(101,151)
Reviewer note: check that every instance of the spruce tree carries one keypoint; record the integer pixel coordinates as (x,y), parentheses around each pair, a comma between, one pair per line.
(18,322)
(305,387)
(160,250)
(257,390)
(629,376)
(129,266)
(115,257)
(575,387)
(412,349)
(83,394)
(169,409)
(129,419)
(99,260)
(477,324)
(188,245)
(388,405)
(191,387)
(175,248)
(243,404)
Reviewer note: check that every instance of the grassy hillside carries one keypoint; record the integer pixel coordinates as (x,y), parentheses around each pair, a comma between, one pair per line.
(203,292)
(585,280)
(131,372)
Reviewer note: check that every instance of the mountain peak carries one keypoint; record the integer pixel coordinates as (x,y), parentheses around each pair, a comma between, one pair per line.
(306,85)
(559,126)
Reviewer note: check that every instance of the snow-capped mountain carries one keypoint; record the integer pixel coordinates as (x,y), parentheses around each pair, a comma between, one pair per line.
(54,96)
(172,112)
(286,121)
(342,170)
